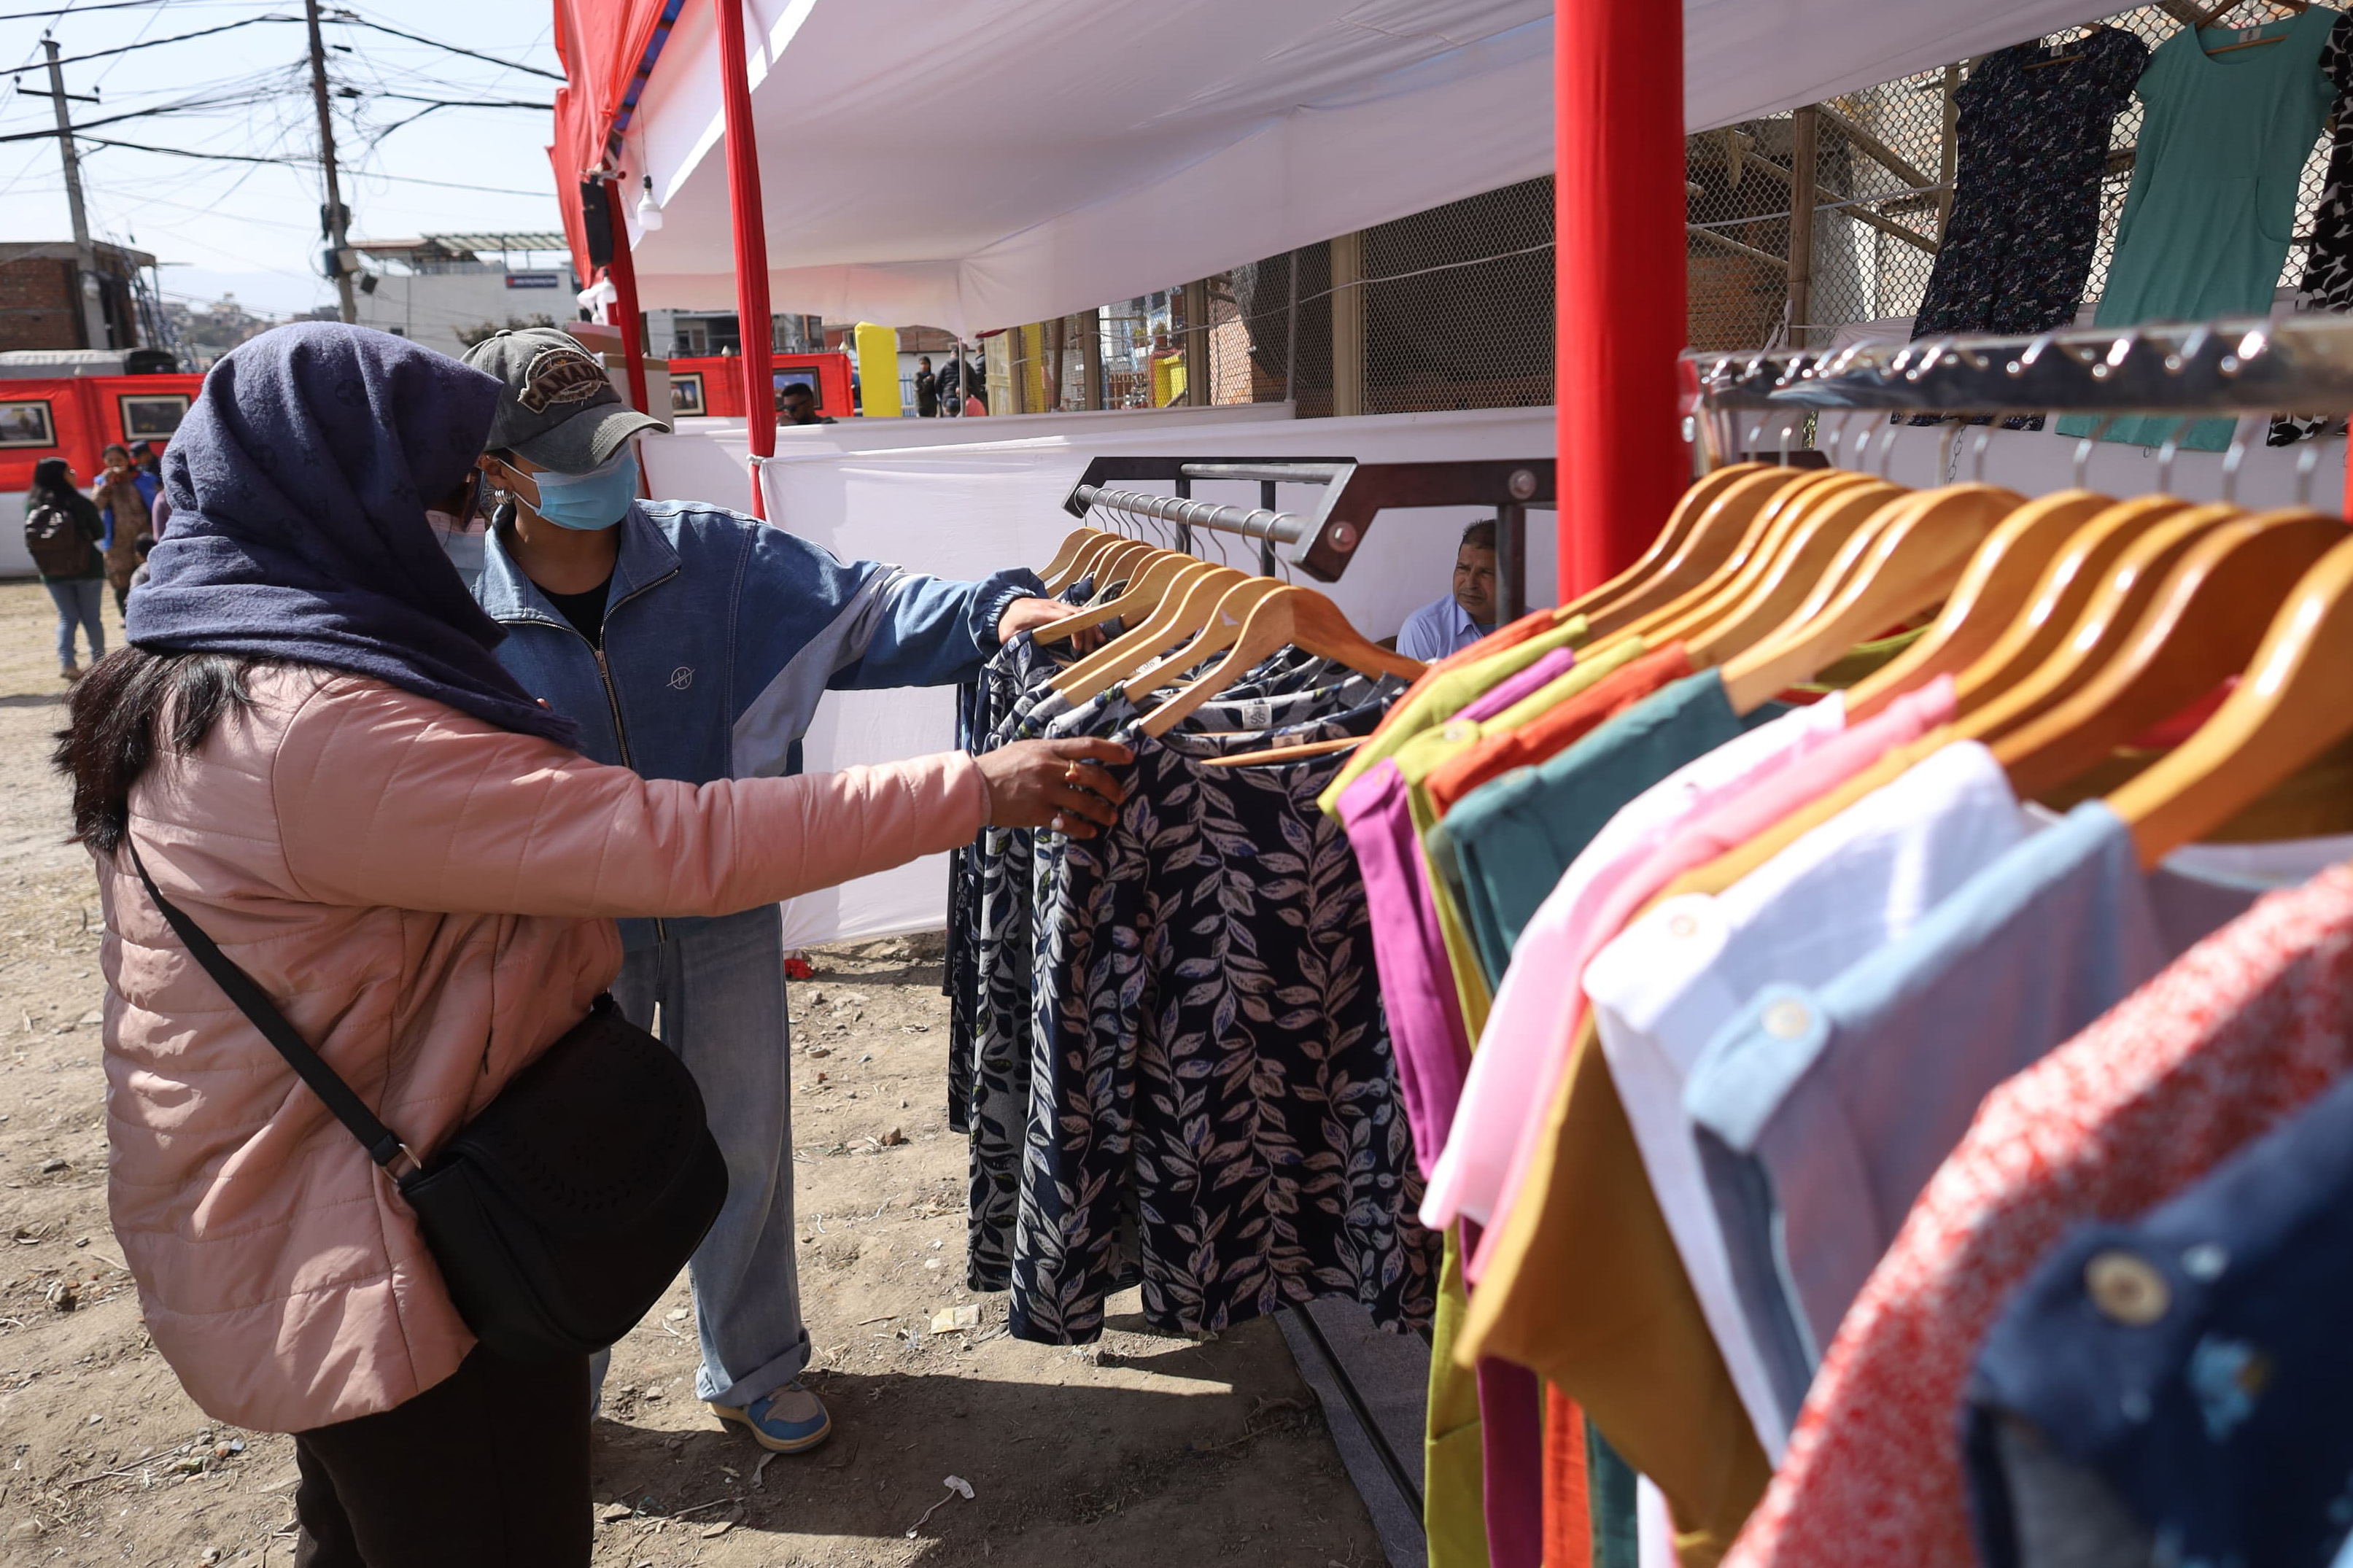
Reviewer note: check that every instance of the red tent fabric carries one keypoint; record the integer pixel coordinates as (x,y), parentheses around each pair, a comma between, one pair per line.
(609,49)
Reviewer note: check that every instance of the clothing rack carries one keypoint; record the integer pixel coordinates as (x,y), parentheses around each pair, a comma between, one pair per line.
(2244,365)
(1323,541)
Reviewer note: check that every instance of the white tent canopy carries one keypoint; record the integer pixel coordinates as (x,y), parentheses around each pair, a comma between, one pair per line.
(975,166)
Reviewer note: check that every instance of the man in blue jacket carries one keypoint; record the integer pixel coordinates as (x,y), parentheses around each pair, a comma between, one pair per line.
(692,642)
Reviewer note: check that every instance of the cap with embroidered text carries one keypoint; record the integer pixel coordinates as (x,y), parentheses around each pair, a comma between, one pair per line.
(556,407)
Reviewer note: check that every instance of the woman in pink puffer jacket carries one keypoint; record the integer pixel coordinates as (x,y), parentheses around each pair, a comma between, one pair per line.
(321,763)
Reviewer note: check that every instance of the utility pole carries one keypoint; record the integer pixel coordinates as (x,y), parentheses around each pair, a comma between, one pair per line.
(93,314)
(345,306)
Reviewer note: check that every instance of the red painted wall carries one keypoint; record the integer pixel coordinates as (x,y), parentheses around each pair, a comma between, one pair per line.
(85,413)
(723,381)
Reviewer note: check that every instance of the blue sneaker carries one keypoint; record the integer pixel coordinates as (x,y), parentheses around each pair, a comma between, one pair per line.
(789,1420)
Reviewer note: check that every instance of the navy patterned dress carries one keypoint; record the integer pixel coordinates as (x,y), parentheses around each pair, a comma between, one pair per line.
(2328,268)
(2033,143)
(1213,1103)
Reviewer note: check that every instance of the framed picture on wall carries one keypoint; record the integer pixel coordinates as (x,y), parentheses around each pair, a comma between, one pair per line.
(686,394)
(27,423)
(152,416)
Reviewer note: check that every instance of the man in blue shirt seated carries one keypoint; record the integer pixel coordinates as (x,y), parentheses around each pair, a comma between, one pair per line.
(1467,614)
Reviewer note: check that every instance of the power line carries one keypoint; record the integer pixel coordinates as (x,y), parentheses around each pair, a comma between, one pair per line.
(54,14)
(174,38)
(295,163)
(187,107)
(353,19)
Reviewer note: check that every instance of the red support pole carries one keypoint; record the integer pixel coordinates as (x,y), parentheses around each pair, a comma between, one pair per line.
(624,274)
(751,244)
(1619,214)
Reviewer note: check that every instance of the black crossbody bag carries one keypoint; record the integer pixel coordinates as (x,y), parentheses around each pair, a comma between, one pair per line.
(563,1211)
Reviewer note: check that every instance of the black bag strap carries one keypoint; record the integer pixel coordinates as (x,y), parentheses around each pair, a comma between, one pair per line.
(383,1145)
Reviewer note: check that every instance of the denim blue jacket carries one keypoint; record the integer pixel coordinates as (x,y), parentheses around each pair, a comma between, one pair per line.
(720,633)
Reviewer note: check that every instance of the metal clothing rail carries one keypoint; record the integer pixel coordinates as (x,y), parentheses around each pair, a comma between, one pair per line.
(2243,365)
(1322,541)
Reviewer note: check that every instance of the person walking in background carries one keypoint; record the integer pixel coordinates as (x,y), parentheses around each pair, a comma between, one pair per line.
(975,388)
(951,386)
(62,530)
(125,496)
(320,760)
(927,389)
(1468,612)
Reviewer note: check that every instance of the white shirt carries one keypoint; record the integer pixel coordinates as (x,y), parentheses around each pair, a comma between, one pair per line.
(1663,987)
(1534,1013)
(1437,629)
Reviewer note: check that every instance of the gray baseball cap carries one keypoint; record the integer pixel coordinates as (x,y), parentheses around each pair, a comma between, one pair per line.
(556,407)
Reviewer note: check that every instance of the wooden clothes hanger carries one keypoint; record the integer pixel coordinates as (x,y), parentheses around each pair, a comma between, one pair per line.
(1066,567)
(1781,521)
(1910,567)
(1120,562)
(1816,557)
(1145,591)
(2207,620)
(1684,517)
(1752,520)
(1181,615)
(1717,536)
(2115,606)
(1991,595)
(1227,617)
(2059,598)
(2217,12)
(1286,617)
(2288,708)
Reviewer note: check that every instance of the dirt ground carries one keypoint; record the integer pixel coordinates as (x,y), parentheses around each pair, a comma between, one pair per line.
(1145,1449)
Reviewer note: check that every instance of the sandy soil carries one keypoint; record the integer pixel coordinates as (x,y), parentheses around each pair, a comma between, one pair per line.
(1144,1449)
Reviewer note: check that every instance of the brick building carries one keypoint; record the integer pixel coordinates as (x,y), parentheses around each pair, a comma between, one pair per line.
(39,307)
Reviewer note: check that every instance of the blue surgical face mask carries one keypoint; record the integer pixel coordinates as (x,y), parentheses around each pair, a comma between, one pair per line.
(592,501)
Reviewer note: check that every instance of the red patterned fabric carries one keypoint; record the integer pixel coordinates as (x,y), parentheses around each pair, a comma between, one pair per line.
(2240,1032)
(1567,1516)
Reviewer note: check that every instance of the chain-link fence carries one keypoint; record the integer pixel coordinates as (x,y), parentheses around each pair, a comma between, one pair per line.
(1884,176)
(1452,308)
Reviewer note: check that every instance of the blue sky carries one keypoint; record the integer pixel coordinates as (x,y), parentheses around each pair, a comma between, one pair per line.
(253,227)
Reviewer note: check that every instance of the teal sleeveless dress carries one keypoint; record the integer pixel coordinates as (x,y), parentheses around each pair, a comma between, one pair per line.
(2207,223)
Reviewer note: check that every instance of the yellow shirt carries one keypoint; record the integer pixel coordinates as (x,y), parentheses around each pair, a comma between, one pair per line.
(1446,696)
(1421,756)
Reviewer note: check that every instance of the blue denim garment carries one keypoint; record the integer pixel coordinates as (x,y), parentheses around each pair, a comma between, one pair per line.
(1821,1112)
(2218,1413)
(721,988)
(1513,837)
(721,635)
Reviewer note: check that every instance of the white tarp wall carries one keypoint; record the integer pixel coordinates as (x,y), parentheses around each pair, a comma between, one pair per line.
(1166,144)
(969,507)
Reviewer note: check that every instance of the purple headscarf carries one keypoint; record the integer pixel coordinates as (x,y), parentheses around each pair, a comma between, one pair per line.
(298,483)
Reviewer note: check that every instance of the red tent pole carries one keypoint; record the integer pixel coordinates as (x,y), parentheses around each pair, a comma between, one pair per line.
(1618,213)
(751,244)
(624,274)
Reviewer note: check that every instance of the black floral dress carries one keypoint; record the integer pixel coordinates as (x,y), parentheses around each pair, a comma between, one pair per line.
(1003,915)
(2033,146)
(1214,1107)
(2329,270)
(2033,142)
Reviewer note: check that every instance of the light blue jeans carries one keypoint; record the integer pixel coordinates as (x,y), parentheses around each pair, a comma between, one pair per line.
(721,988)
(79,600)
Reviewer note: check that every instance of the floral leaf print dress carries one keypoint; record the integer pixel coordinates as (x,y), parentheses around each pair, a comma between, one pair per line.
(1213,1106)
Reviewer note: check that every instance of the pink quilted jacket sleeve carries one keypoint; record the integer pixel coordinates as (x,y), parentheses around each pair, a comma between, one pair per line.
(386,799)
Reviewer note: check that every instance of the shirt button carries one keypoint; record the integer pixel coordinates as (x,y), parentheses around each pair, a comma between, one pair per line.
(1683,927)
(2126,1289)
(1787,1020)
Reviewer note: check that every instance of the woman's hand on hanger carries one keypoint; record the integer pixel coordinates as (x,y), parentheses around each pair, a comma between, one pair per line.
(1053,783)
(1029,614)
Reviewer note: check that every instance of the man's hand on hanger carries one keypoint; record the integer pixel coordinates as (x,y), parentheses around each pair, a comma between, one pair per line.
(1030,614)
